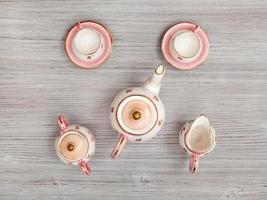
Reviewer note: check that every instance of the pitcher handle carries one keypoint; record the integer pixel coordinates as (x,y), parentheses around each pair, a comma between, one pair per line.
(119,146)
(85,168)
(193,165)
(62,123)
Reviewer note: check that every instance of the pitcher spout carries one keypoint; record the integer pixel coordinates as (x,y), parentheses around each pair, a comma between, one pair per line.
(154,82)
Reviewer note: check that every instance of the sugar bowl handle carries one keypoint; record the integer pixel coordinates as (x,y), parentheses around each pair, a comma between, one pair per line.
(193,165)
(119,146)
(85,168)
(62,123)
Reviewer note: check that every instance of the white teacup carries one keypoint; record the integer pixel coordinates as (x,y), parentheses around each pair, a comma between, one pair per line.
(185,45)
(198,139)
(87,41)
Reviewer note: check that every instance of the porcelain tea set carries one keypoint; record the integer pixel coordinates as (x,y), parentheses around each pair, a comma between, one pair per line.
(136,113)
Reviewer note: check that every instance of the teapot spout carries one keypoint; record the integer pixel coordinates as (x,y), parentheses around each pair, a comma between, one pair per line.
(154,82)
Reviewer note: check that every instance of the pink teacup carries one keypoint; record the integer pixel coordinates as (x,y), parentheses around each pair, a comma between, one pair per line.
(198,139)
(185,45)
(88,44)
(75,145)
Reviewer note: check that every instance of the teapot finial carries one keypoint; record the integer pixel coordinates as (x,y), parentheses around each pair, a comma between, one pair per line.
(154,82)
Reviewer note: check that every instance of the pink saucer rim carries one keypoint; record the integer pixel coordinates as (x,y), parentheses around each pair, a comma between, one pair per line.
(105,33)
(186,65)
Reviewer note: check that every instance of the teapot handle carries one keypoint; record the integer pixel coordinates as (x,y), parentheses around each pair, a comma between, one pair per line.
(85,168)
(193,165)
(62,123)
(119,146)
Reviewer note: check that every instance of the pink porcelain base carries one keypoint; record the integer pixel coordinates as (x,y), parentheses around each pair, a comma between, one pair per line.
(106,45)
(185,64)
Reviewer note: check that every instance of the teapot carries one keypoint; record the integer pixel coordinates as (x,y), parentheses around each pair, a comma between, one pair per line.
(137,114)
(75,145)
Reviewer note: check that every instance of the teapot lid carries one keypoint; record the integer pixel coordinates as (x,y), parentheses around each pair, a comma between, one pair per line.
(73,146)
(88,44)
(137,115)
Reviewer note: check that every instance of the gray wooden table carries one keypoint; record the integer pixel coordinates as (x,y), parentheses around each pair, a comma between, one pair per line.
(37,83)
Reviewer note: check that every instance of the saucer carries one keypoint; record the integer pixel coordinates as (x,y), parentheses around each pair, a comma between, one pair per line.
(88,44)
(185,46)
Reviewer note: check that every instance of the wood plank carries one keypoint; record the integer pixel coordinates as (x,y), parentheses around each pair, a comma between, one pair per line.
(37,83)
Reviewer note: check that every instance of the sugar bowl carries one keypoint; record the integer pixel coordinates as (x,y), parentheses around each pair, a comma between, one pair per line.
(75,145)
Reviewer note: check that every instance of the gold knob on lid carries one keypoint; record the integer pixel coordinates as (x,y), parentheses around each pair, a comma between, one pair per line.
(70,147)
(136,115)
(73,145)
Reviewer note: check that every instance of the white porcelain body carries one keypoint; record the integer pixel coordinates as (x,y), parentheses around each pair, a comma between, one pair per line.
(175,53)
(143,92)
(184,143)
(65,128)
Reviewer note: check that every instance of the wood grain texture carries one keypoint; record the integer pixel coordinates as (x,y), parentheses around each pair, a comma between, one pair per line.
(37,83)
